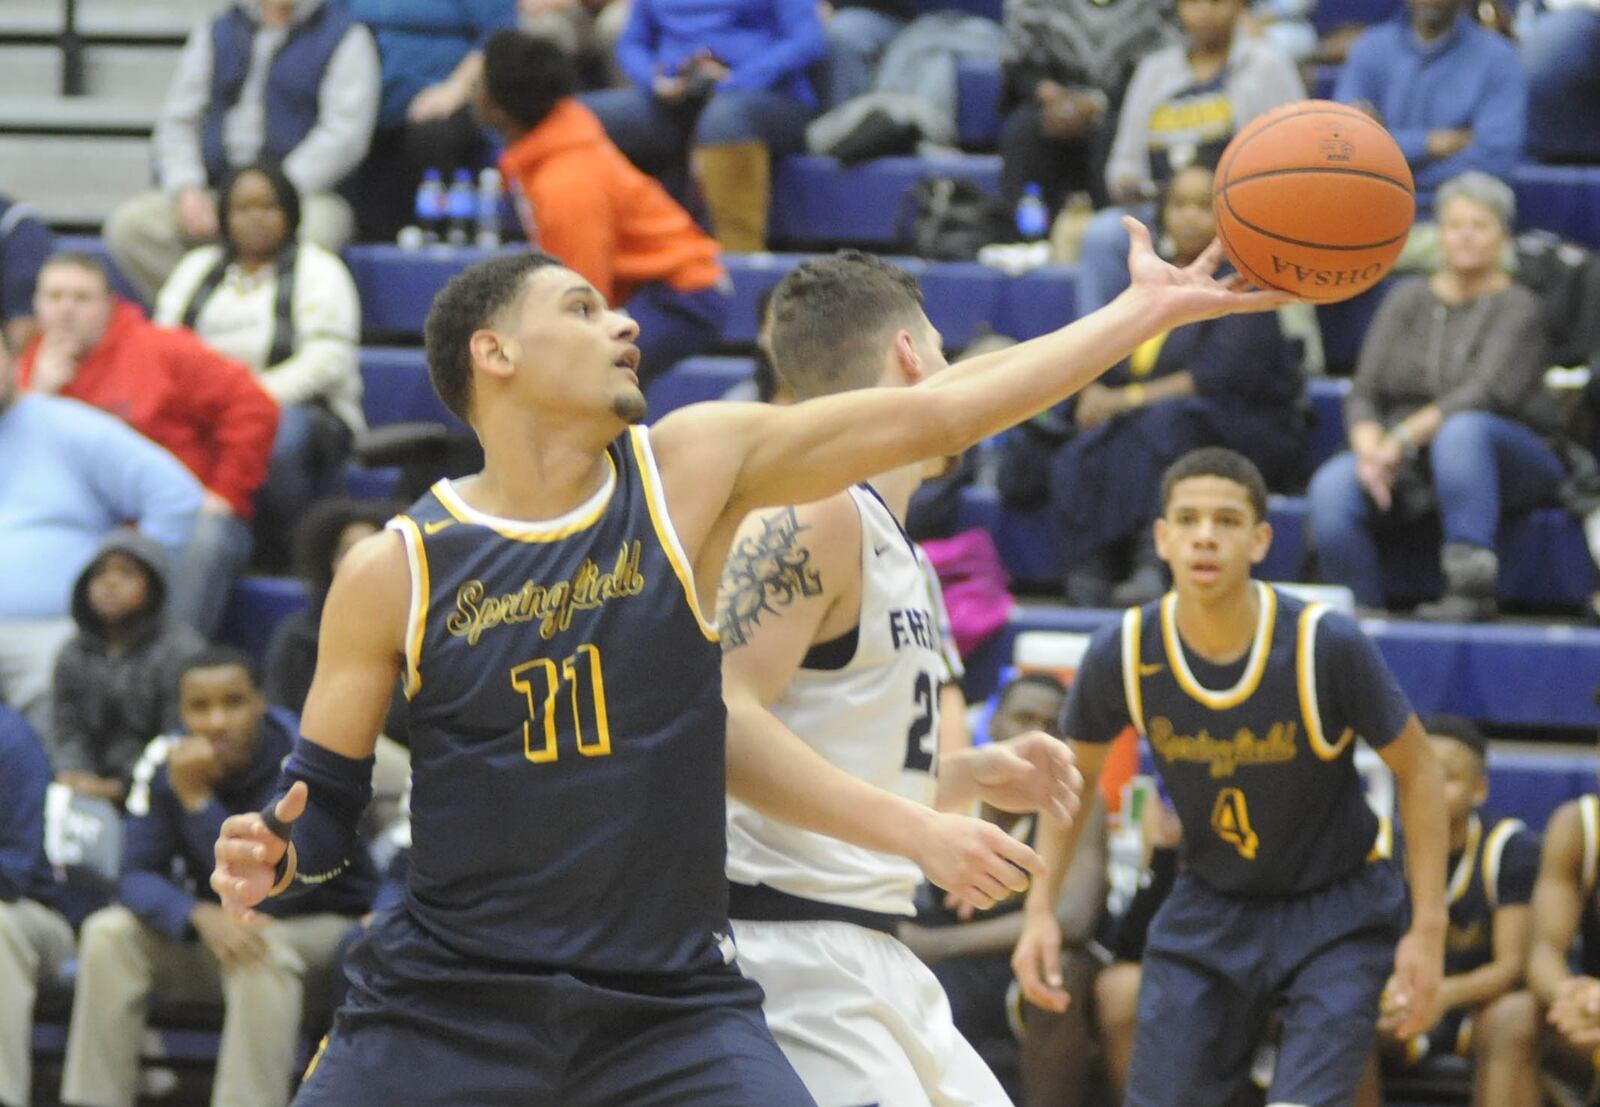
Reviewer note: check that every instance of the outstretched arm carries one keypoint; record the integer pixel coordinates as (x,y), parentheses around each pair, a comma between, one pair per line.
(792,579)
(358,663)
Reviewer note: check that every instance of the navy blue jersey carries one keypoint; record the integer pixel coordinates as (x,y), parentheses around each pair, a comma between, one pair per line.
(567,733)
(1257,756)
(1496,869)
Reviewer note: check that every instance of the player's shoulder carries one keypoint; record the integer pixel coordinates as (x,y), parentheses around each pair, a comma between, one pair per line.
(1337,632)
(1566,831)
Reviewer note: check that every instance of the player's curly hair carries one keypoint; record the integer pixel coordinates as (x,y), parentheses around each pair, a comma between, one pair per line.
(1215,461)
(832,317)
(466,305)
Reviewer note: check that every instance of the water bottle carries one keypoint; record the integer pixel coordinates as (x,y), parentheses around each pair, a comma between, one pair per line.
(430,205)
(489,209)
(1033,218)
(461,208)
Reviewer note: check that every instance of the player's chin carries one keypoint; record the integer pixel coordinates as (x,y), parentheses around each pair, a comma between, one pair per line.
(629,404)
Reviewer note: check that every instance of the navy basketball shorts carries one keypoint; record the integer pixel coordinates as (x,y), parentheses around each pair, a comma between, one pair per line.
(1216,967)
(426,1027)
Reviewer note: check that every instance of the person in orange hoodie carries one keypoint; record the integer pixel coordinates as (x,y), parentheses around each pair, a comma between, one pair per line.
(206,410)
(581,200)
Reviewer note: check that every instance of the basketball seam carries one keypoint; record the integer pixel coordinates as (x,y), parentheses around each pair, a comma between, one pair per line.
(1247,270)
(1243,222)
(1328,169)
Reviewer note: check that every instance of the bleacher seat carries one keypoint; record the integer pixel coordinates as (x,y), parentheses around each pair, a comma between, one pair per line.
(1560,198)
(817,202)
(978,89)
(1499,673)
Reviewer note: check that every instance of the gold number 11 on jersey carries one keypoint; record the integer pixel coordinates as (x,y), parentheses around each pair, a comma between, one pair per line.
(541,681)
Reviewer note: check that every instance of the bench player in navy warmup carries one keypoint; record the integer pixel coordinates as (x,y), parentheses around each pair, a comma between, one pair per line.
(563,939)
(1251,702)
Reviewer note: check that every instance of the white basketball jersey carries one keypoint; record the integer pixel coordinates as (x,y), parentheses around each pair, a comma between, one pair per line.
(876,718)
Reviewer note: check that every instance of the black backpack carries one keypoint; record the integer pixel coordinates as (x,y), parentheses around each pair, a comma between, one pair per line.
(949,219)
(1566,278)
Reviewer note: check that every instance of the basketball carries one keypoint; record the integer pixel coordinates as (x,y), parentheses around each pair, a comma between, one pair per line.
(1313,198)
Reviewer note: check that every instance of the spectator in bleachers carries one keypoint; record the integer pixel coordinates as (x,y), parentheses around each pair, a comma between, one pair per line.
(294,81)
(290,311)
(169,936)
(587,30)
(1065,66)
(1492,870)
(858,31)
(725,81)
(86,473)
(326,534)
(1448,413)
(1453,94)
(208,410)
(430,53)
(35,941)
(584,202)
(116,680)
(25,243)
(1183,105)
(1562,54)
(1227,382)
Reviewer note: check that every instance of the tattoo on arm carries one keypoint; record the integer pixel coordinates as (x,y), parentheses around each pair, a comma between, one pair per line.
(764,572)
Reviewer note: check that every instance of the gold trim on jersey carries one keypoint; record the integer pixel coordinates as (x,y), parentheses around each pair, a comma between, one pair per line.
(1383,843)
(1305,659)
(417,616)
(1132,630)
(1589,816)
(1248,681)
(662,522)
(1493,850)
(582,517)
(1461,879)
(316,1059)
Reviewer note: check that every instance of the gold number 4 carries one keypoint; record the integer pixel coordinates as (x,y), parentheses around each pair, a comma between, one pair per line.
(1230,818)
(540,681)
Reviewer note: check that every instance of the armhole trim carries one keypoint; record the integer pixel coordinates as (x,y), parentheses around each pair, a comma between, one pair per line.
(1493,850)
(1132,627)
(417,615)
(1306,677)
(666,534)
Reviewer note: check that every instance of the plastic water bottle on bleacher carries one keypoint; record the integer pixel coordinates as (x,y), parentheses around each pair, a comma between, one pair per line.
(461,209)
(1033,218)
(489,209)
(429,209)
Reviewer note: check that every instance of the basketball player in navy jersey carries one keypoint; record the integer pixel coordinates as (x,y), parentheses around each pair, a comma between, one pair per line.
(831,665)
(564,935)
(1251,702)
(1492,870)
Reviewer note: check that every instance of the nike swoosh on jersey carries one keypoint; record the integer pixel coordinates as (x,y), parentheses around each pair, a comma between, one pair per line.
(1151,669)
(437,525)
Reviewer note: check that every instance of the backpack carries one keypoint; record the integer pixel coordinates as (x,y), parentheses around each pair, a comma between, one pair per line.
(1566,278)
(949,219)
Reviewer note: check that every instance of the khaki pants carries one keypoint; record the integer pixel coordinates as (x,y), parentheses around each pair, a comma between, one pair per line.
(34,943)
(122,963)
(143,238)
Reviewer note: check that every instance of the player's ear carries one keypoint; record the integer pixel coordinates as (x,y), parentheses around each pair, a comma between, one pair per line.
(1260,542)
(906,363)
(492,353)
(1161,539)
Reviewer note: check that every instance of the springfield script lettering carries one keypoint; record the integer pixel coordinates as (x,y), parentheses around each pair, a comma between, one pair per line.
(551,605)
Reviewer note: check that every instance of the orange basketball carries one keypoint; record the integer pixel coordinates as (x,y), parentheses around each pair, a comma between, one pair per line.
(1313,198)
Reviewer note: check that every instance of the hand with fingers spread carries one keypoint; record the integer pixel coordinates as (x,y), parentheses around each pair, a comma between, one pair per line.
(976,860)
(1037,961)
(233,944)
(1575,1014)
(248,853)
(1031,772)
(1193,293)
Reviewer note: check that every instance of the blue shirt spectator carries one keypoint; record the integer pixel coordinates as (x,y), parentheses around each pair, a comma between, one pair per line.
(1455,99)
(25,243)
(24,776)
(85,473)
(421,42)
(766,44)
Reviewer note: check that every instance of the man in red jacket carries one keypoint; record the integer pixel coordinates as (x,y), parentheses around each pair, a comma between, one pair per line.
(172,388)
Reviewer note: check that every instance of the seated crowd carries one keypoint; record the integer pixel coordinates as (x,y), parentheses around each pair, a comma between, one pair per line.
(173,451)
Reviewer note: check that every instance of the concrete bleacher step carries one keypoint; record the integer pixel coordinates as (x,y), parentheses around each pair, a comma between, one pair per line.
(124,19)
(54,115)
(1498,673)
(133,74)
(73,180)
